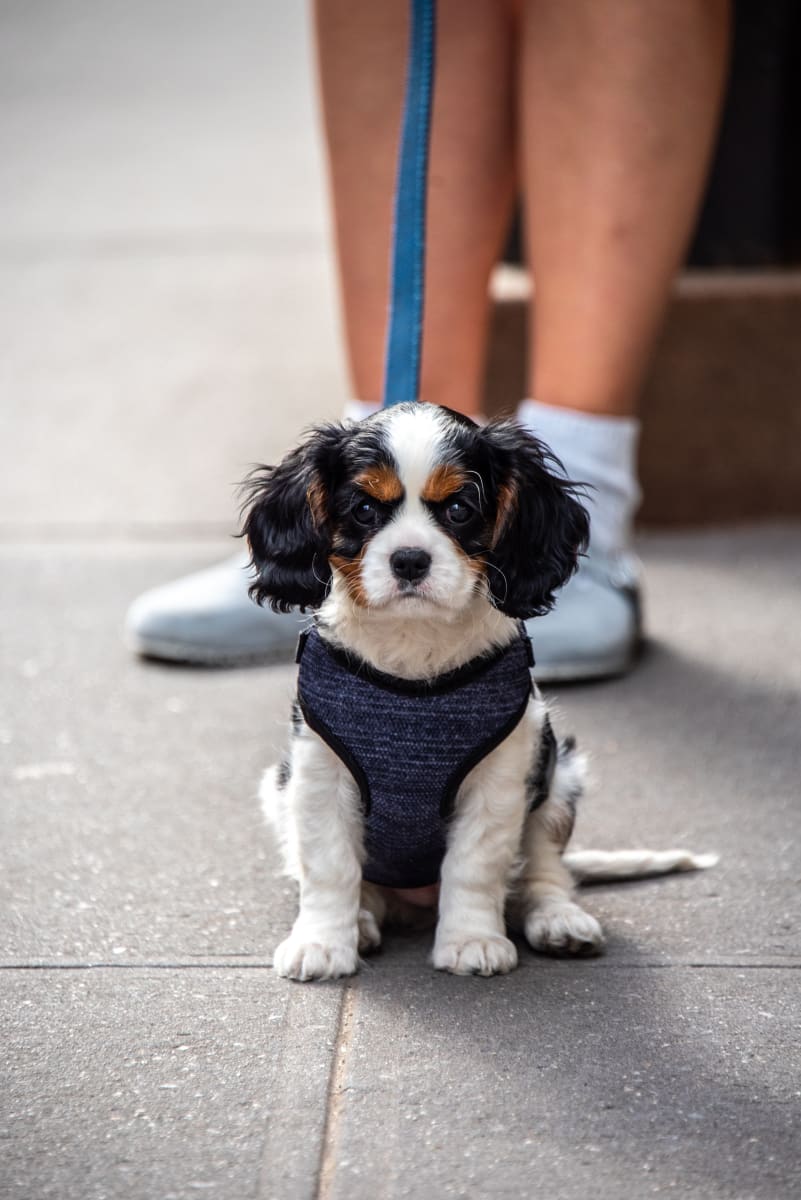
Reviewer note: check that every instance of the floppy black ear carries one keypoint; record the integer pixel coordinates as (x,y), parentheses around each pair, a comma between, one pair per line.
(540,527)
(286,521)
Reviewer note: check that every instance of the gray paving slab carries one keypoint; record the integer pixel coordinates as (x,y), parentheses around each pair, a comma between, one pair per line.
(162,1083)
(130,823)
(701,746)
(166,376)
(569,1080)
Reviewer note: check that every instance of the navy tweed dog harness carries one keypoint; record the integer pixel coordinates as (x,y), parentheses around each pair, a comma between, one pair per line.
(410,744)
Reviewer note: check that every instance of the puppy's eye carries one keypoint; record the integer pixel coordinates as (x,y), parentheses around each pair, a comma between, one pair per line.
(457,512)
(365,513)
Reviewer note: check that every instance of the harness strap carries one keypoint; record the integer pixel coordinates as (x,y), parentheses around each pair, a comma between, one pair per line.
(405,320)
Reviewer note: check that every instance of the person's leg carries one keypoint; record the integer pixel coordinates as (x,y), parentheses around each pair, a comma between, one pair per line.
(207,617)
(362,50)
(619,105)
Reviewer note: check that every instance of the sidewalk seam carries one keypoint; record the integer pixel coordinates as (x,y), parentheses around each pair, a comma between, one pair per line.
(337,1090)
(793,964)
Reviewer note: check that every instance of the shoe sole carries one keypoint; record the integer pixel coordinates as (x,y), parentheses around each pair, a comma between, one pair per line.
(201,656)
(581,672)
(204,656)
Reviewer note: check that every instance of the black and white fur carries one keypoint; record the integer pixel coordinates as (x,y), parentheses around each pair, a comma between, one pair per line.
(419,540)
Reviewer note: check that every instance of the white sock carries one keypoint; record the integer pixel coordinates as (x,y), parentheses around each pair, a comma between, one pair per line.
(357,410)
(597,450)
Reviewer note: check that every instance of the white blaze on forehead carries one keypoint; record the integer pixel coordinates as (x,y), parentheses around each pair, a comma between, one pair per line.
(415,438)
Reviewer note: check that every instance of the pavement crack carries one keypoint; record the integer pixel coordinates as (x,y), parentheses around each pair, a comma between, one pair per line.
(337,1092)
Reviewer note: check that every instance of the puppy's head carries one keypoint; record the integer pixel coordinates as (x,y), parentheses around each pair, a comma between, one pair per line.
(418,510)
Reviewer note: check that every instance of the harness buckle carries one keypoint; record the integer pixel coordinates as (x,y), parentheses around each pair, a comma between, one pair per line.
(303,637)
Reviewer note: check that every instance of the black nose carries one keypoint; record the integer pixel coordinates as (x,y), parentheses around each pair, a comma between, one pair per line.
(410,563)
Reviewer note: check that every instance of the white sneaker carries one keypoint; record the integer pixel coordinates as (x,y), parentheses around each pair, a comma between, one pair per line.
(208,618)
(595,629)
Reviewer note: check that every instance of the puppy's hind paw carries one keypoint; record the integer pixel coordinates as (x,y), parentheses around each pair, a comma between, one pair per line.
(562,927)
(307,960)
(369,932)
(493,954)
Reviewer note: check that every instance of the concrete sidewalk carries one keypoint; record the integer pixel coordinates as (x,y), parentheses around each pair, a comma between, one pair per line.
(167,315)
(148,1048)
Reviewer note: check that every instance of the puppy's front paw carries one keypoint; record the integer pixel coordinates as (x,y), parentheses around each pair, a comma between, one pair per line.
(303,960)
(562,927)
(465,954)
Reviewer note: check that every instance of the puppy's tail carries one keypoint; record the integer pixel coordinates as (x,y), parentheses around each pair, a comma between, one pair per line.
(598,866)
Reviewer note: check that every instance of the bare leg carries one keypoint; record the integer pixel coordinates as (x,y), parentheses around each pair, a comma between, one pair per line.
(620,101)
(362,54)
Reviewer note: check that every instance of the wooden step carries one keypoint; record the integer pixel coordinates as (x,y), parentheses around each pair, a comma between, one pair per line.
(722,406)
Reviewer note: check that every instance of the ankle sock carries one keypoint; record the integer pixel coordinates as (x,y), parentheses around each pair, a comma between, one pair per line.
(600,451)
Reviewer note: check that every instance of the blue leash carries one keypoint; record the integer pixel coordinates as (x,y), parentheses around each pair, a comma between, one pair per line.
(405,321)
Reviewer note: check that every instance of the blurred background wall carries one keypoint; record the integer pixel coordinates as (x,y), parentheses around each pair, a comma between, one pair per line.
(752,213)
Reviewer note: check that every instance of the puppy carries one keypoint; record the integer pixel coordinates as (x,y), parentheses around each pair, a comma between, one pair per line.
(422,769)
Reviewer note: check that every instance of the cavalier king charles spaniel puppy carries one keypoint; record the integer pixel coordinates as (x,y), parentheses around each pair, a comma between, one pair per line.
(422,769)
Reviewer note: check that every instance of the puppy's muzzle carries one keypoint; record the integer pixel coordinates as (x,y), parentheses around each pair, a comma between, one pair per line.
(410,564)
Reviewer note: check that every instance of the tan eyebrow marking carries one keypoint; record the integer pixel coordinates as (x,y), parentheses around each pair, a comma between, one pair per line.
(443,481)
(381,483)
